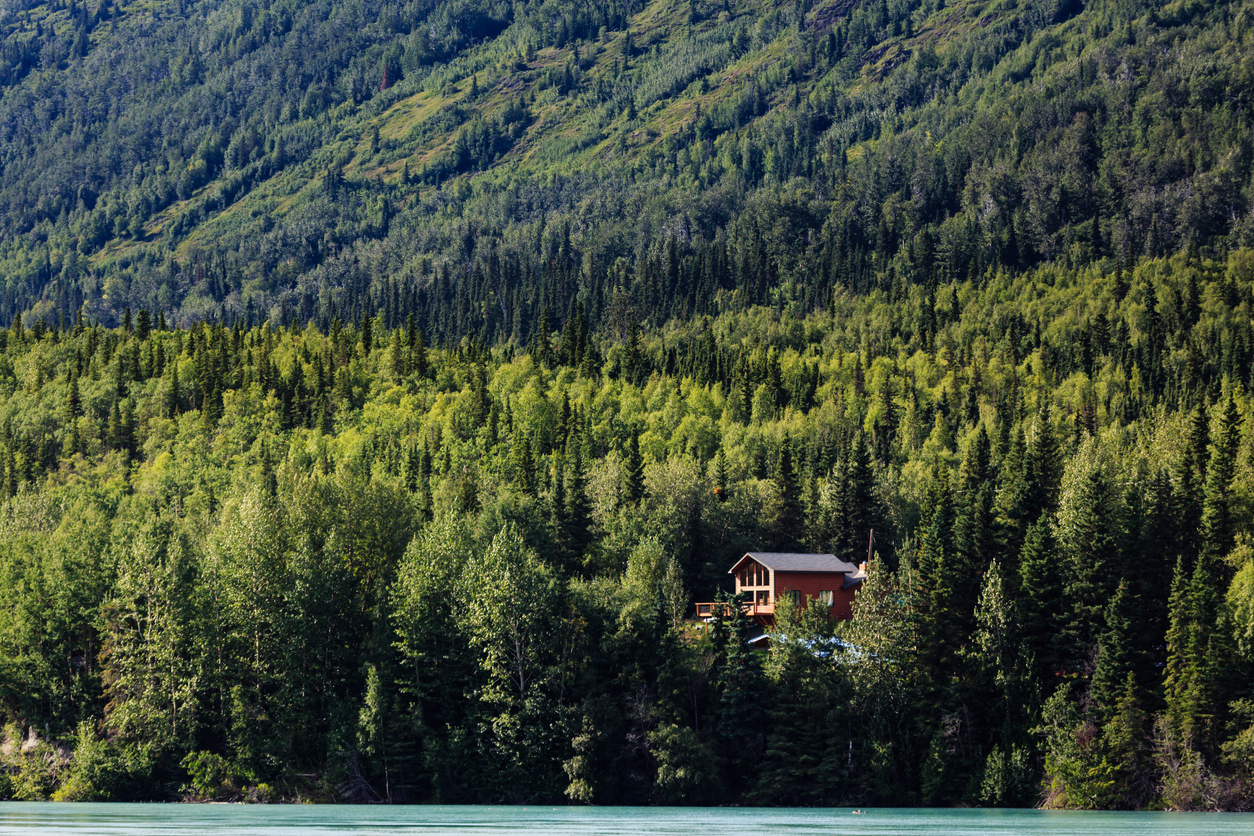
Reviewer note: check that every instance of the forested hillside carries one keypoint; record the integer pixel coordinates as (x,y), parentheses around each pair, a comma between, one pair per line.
(282,562)
(478,163)
(381,383)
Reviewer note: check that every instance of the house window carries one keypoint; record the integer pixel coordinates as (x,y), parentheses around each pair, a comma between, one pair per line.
(763,597)
(793,595)
(827,597)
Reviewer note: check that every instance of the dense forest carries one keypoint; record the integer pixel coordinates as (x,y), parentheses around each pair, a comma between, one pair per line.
(381,383)
(478,163)
(291,563)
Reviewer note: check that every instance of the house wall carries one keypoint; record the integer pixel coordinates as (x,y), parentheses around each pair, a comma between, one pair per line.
(809,584)
(759,580)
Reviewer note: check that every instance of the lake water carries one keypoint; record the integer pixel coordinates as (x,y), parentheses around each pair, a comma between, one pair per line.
(191,820)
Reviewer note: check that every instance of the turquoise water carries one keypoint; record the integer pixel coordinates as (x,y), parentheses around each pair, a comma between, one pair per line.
(188,820)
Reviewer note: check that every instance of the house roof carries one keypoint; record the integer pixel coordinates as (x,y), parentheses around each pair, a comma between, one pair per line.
(792,562)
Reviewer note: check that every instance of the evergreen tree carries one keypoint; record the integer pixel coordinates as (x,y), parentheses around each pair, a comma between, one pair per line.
(541,348)
(973,526)
(173,394)
(633,360)
(1012,503)
(396,356)
(721,485)
(1160,547)
(367,333)
(1088,531)
(939,614)
(1043,604)
(1197,442)
(886,423)
(738,677)
(557,505)
(1124,737)
(786,518)
(861,505)
(114,431)
(1043,468)
(1117,658)
(1217,523)
(634,470)
(523,462)
(1179,672)
(73,402)
(577,513)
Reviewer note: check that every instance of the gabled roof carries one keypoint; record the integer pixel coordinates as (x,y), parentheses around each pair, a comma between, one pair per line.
(792,562)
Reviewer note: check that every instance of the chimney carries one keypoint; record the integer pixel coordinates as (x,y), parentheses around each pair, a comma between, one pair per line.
(862,567)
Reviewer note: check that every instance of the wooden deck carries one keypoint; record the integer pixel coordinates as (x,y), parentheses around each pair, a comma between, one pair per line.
(750,608)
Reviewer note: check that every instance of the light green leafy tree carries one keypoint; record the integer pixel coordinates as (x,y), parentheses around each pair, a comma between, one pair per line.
(151,672)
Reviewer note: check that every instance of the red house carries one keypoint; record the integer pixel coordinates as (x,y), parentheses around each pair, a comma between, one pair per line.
(767,576)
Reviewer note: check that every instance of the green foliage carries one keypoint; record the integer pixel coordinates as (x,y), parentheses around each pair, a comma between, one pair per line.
(685,773)
(94,772)
(210,776)
(464,573)
(1007,780)
(1077,773)
(687,162)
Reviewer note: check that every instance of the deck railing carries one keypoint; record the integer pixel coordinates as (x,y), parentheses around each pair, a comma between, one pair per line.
(711,609)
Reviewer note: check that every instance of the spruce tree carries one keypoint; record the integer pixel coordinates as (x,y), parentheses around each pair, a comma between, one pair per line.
(1124,737)
(113,431)
(1042,609)
(367,333)
(1043,466)
(557,505)
(73,403)
(541,348)
(418,354)
(396,355)
(634,471)
(861,505)
(1012,504)
(633,358)
(1204,689)
(1088,527)
(1218,527)
(886,425)
(577,514)
(973,531)
(786,520)
(738,682)
(1159,546)
(720,476)
(1179,671)
(940,618)
(1196,442)
(1117,656)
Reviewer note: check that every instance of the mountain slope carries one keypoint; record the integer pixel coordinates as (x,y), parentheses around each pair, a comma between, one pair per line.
(293,161)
